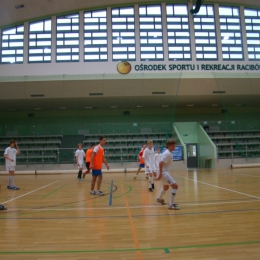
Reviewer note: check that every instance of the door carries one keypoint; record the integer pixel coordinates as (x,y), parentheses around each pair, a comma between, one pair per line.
(192,156)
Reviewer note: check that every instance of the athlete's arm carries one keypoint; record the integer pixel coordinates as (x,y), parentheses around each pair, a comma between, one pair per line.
(160,170)
(17,148)
(105,162)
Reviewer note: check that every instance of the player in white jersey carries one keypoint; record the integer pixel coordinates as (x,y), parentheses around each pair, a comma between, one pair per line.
(80,155)
(148,157)
(164,174)
(10,163)
(157,159)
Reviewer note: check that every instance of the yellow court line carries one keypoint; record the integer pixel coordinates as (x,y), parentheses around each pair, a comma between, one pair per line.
(139,253)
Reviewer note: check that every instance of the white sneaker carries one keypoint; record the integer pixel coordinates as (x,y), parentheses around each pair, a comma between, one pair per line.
(135,176)
(92,192)
(100,193)
(173,206)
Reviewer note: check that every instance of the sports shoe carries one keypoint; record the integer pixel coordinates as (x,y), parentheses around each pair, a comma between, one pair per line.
(152,186)
(161,201)
(9,187)
(100,193)
(147,177)
(2,207)
(15,188)
(92,192)
(84,174)
(173,206)
(135,176)
(150,189)
(79,179)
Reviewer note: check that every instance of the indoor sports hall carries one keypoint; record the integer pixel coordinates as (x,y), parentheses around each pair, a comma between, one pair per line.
(130,71)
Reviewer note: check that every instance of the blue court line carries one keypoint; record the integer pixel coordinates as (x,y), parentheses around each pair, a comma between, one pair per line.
(111,193)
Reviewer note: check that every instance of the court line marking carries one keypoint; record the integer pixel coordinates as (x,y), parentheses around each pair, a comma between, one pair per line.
(139,207)
(215,186)
(28,193)
(130,249)
(54,191)
(139,253)
(248,175)
(135,216)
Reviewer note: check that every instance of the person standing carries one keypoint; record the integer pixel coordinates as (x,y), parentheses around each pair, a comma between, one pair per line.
(88,159)
(148,157)
(157,159)
(80,154)
(141,161)
(10,163)
(97,158)
(165,177)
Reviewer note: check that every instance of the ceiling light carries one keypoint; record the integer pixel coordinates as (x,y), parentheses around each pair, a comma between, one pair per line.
(139,106)
(226,38)
(113,106)
(88,107)
(190,105)
(165,105)
(37,108)
(63,108)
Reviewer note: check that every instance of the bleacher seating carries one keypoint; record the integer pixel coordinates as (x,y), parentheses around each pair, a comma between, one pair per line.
(126,146)
(236,143)
(34,149)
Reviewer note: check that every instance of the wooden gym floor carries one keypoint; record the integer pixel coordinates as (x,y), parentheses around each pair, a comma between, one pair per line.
(54,217)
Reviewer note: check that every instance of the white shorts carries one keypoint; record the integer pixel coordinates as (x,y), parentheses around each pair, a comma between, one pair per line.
(167,179)
(151,169)
(80,165)
(10,168)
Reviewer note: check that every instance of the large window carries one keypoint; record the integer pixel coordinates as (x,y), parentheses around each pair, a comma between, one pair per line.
(205,34)
(95,36)
(178,32)
(12,45)
(151,32)
(123,33)
(67,38)
(252,21)
(40,41)
(231,36)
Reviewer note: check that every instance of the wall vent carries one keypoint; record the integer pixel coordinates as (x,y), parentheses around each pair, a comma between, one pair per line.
(37,95)
(96,94)
(158,93)
(219,92)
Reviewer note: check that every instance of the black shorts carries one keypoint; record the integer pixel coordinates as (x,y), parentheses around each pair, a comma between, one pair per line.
(87,165)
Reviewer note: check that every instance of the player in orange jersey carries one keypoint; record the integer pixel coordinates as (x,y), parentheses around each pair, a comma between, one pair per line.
(141,161)
(88,159)
(97,158)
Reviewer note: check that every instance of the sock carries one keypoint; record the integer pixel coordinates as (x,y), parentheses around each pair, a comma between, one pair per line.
(9,181)
(79,175)
(150,182)
(11,178)
(162,192)
(173,193)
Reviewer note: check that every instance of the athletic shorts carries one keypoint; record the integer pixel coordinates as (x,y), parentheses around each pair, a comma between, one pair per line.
(167,179)
(87,165)
(151,169)
(80,165)
(96,172)
(10,168)
(141,165)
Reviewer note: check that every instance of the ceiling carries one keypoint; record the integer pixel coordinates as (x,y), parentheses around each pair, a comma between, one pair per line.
(34,9)
(130,93)
(122,93)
